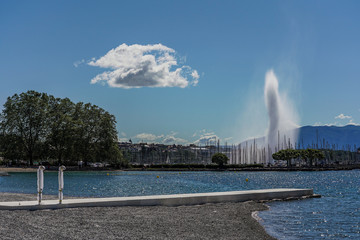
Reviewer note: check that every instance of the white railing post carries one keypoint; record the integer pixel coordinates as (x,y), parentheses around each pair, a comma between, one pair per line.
(61,183)
(40,182)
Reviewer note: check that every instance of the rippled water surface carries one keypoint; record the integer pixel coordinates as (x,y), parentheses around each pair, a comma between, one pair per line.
(334,216)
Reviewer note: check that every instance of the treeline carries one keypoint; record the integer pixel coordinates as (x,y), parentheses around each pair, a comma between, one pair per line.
(38,126)
(308,155)
(318,156)
(195,166)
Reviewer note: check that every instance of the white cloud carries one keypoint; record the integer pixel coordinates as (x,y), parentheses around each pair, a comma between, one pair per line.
(165,139)
(205,137)
(147,137)
(318,124)
(173,140)
(208,137)
(342,116)
(136,66)
(207,140)
(338,124)
(196,77)
(77,63)
(332,124)
(123,139)
(203,132)
(351,122)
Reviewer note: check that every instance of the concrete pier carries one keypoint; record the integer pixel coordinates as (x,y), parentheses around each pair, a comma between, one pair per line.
(162,200)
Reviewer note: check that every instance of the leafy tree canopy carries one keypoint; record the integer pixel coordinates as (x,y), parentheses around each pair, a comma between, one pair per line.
(39,126)
(305,154)
(220,159)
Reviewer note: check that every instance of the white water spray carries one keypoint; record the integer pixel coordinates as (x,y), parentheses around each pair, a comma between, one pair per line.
(282,131)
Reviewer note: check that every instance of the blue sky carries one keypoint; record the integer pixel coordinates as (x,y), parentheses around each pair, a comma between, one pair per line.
(312,46)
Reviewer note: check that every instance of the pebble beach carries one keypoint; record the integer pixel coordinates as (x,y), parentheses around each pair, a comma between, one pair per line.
(208,221)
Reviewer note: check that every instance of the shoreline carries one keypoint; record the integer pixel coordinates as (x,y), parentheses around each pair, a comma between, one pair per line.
(207,221)
(264,169)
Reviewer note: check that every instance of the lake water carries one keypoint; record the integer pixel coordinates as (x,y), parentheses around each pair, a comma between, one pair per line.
(334,216)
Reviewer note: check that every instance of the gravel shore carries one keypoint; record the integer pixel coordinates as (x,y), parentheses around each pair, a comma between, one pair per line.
(208,221)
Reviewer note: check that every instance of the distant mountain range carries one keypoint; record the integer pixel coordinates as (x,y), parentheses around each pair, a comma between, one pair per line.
(323,137)
(329,135)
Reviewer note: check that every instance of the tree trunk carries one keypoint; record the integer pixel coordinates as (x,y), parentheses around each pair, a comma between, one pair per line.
(60,159)
(31,159)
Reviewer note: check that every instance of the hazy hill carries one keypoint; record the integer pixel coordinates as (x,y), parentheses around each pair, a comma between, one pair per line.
(328,136)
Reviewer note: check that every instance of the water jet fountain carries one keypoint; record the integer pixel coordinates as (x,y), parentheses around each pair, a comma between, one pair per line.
(282,131)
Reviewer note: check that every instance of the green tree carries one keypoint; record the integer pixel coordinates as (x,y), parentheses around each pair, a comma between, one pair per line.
(11,147)
(96,135)
(115,157)
(23,118)
(35,125)
(286,154)
(304,155)
(220,159)
(314,154)
(61,128)
(87,118)
(309,155)
(106,147)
